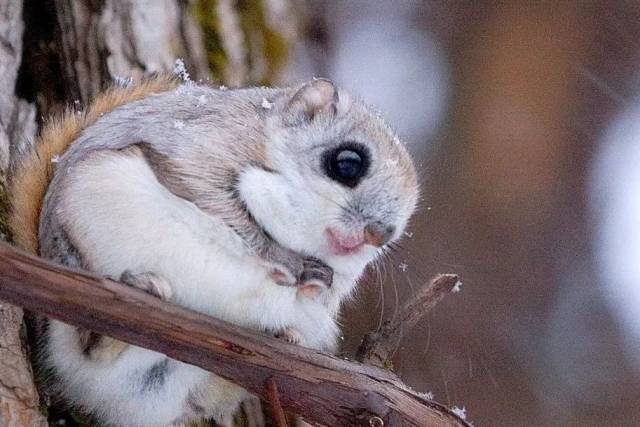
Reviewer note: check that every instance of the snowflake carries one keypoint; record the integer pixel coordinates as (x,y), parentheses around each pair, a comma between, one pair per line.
(266,104)
(223,87)
(461,412)
(404,267)
(55,159)
(457,287)
(178,124)
(123,81)
(181,71)
(428,395)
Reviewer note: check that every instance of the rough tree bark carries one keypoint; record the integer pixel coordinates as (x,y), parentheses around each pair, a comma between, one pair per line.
(103,41)
(18,396)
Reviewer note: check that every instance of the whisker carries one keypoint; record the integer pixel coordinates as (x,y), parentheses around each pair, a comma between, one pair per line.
(341,206)
(428,344)
(380,298)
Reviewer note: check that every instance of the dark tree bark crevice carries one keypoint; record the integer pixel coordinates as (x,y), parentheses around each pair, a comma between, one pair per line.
(39,77)
(18,395)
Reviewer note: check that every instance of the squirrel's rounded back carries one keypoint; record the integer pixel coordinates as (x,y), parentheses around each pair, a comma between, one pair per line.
(34,170)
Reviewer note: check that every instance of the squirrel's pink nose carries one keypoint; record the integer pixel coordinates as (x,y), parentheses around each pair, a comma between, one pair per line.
(377,234)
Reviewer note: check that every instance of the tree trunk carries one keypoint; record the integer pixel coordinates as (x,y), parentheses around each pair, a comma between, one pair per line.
(18,396)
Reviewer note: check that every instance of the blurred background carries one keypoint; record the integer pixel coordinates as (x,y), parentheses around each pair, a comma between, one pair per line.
(524,120)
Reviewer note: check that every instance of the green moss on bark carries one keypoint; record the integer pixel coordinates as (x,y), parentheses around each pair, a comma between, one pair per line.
(270,44)
(205,14)
(260,39)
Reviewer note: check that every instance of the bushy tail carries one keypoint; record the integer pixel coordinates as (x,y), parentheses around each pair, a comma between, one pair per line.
(33,172)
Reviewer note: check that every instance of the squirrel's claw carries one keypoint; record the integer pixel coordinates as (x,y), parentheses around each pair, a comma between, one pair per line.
(316,273)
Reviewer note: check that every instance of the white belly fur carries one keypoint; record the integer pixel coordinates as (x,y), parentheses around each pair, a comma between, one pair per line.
(122,218)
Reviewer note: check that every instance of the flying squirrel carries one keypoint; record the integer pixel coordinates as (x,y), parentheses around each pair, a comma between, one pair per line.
(258,206)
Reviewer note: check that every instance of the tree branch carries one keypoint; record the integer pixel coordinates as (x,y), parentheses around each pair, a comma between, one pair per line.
(321,388)
(279,416)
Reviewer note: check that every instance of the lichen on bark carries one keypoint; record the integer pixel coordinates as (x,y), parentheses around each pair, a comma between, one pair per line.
(247,41)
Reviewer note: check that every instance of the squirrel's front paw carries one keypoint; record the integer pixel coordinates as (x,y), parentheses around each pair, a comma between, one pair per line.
(288,268)
(290,335)
(285,266)
(316,277)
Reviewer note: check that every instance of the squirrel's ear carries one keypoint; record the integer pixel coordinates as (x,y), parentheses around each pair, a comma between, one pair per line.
(319,96)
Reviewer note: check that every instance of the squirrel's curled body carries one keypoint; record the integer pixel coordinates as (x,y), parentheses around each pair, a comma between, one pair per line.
(191,193)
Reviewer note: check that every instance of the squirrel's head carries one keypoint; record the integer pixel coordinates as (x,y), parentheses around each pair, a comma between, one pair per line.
(340,185)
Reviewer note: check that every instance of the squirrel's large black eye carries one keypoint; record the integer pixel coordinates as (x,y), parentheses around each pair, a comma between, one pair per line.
(347,164)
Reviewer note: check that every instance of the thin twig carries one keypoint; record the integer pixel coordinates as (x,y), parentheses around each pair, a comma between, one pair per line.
(377,347)
(279,417)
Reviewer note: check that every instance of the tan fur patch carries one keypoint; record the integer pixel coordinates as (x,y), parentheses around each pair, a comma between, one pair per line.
(34,172)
